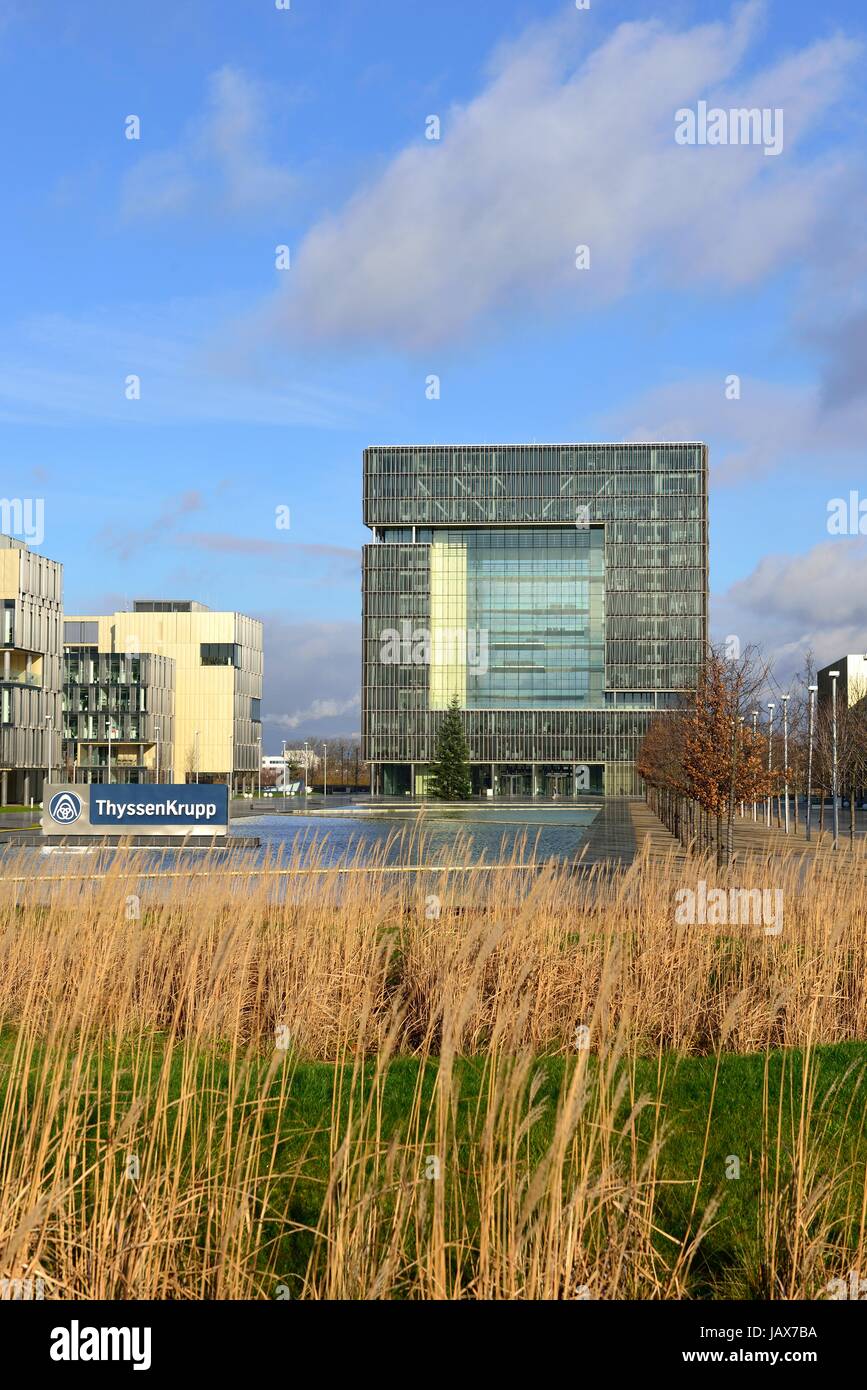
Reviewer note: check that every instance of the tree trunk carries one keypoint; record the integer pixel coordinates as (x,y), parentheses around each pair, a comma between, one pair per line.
(730,829)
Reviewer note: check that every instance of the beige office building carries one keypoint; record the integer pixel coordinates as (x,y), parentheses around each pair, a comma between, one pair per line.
(218,663)
(31,596)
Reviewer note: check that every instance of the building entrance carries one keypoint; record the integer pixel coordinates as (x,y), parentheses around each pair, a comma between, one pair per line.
(544,781)
(558,784)
(516,784)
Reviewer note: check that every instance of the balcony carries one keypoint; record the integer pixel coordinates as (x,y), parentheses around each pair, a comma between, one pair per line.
(93,762)
(21,679)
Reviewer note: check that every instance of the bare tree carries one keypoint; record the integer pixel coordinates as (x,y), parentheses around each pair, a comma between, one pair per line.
(706,756)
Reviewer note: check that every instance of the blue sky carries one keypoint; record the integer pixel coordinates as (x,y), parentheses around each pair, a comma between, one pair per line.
(410,257)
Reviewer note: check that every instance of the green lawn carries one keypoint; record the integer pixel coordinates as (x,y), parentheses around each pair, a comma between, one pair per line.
(729,1264)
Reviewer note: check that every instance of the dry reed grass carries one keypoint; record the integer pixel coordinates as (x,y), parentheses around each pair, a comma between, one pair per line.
(142,1020)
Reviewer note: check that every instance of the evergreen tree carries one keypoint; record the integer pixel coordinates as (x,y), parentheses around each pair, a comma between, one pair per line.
(451,768)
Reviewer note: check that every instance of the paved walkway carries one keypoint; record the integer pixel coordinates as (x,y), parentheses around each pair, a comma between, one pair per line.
(753,840)
(621,830)
(756,840)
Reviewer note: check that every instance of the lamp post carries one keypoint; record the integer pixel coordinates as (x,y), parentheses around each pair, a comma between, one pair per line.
(325,772)
(741,718)
(306,769)
(834,675)
(771,708)
(284,769)
(812,689)
(786,761)
(755,741)
(157,731)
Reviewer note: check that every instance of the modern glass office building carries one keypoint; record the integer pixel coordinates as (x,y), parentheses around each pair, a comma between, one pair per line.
(559,591)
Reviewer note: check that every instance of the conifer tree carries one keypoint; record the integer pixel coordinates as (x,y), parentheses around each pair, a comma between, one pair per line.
(451,779)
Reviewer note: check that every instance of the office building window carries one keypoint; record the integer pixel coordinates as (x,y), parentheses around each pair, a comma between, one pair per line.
(220,654)
(81,633)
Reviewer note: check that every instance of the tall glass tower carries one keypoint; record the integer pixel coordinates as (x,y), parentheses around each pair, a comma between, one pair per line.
(560,591)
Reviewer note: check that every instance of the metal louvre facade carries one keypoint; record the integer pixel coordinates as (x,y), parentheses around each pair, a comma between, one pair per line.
(580,573)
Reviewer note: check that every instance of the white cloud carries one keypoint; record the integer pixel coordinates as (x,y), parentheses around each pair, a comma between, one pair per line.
(315,713)
(791,604)
(219,163)
(769,425)
(556,152)
(311,678)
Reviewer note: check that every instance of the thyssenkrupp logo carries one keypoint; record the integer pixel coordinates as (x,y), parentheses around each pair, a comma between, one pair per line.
(64,807)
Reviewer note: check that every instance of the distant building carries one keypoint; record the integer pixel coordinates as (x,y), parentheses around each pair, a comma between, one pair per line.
(302,758)
(216,677)
(31,593)
(851,685)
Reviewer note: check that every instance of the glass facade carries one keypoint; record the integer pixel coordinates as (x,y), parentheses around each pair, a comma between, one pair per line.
(31,598)
(117,709)
(531,603)
(560,591)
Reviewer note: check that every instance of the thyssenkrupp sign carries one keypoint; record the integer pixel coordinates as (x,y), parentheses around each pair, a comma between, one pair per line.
(105,809)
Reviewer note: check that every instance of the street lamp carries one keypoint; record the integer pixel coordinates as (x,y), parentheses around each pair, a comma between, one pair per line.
(306,769)
(834,676)
(755,741)
(771,708)
(325,770)
(157,731)
(812,689)
(741,718)
(284,769)
(785,699)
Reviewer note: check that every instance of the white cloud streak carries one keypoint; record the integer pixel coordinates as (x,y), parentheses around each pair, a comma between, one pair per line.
(792,604)
(219,163)
(768,426)
(556,152)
